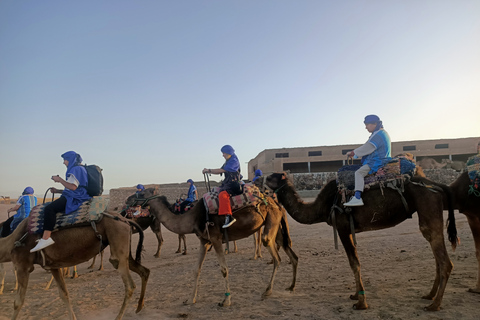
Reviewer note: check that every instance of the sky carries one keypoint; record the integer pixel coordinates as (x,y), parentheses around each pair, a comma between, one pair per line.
(151,90)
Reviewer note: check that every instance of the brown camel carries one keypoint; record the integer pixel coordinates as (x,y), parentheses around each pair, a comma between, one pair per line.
(249,220)
(69,251)
(469,205)
(379,212)
(150,221)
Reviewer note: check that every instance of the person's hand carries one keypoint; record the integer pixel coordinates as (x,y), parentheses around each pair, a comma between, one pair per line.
(205,170)
(53,190)
(56,178)
(350,154)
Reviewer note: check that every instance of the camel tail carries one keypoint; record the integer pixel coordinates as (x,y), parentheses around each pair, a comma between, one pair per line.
(451,225)
(138,254)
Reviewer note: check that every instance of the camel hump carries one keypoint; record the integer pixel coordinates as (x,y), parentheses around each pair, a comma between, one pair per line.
(90,210)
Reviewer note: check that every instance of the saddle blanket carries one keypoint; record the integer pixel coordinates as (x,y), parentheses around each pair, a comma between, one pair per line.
(90,210)
(144,212)
(473,169)
(399,168)
(250,195)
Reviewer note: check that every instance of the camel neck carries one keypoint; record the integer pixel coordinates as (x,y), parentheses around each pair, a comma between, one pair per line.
(305,213)
(177,223)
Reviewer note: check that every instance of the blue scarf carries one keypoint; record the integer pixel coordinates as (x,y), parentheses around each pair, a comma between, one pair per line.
(75,197)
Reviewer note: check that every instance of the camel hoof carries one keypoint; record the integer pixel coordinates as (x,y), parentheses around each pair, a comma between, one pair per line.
(184,253)
(91,267)
(156,255)
(139,308)
(100,269)
(187,302)
(354,297)
(290,289)
(358,306)
(225,304)
(178,251)
(474,290)
(427,297)
(432,308)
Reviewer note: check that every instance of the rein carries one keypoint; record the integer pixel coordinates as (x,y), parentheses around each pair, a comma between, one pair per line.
(145,201)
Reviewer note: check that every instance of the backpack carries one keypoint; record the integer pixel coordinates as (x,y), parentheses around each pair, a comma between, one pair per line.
(95,180)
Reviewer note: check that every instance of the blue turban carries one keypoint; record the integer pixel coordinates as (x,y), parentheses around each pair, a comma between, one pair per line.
(28,190)
(140,186)
(190,180)
(73,159)
(375,120)
(258,172)
(228,150)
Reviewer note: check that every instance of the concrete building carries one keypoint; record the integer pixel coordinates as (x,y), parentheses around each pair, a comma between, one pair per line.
(331,158)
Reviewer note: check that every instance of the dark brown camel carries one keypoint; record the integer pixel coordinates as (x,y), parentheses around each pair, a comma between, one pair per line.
(379,212)
(73,246)
(469,205)
(249,221)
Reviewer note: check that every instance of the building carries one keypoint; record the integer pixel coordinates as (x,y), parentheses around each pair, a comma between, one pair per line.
(331,158)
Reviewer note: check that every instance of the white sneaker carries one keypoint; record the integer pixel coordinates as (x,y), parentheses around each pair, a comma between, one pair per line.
(229,220)
(137,213)
(42,244)
(354,202)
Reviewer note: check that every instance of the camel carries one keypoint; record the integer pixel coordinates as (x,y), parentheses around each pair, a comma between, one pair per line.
(379,212)
(469,205)
(145,222)
(68,251)
(210,233)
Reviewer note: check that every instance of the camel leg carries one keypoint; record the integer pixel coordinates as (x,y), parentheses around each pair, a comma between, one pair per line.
(257,242)
(352,255)
(101,261)
(268,235)
(204,246)
(49,284)
(432,230)
(217,245)
(474,223)
(93,263)
(22,279)
(122,266)
(294,261)
(180,238)
(75,273)
(157,229)
(144,273)
(2,277)
(235,249)
(62,290)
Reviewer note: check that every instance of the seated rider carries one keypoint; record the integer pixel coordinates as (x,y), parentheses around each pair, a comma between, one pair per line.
(375,153)
(73,196)
(191,196)
(138,209)
(24,205)
(258,174)
(231,184)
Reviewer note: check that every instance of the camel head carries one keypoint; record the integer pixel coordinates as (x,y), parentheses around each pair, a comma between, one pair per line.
(276,180)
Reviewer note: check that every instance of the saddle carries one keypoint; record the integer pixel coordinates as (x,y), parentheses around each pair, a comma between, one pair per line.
(397,171)
(90,211)
(473,170)
(250,195)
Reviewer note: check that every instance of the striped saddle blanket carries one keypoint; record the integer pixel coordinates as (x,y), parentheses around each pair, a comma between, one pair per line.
(249,196)
(473,169)
(90,210)
(398,168)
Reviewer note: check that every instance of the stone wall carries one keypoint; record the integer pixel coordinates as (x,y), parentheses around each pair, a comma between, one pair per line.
(315,181)
(172,191)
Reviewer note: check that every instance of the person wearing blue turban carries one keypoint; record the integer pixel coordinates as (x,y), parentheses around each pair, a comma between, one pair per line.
(258,174)
(74,194)
(375,153)
(230,186)
(138,209)
(192,195)
(24,205)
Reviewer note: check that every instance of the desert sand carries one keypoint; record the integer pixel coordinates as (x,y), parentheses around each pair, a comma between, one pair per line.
(397,267)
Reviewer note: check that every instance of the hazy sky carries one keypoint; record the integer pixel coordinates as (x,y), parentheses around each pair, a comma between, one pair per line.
(151,90)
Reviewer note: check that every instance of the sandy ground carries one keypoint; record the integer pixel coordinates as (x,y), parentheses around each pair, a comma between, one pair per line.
(397,267)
